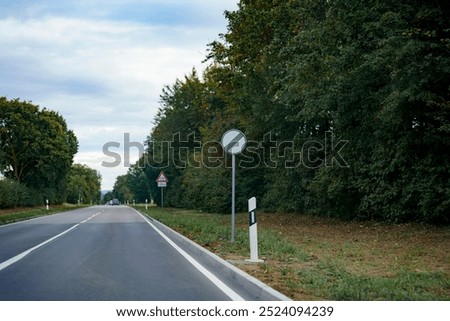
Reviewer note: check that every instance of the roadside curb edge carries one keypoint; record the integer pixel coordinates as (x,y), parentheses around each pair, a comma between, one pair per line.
(261,290)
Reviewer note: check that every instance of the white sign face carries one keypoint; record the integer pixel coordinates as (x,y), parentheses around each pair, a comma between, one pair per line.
(162,184)
(234,141)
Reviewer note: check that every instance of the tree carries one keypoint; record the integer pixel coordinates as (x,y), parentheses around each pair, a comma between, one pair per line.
(138,184)
(84,185)
(382,84)
(121,189)
(346,103)
(177,132)
(108,197)
(37,148)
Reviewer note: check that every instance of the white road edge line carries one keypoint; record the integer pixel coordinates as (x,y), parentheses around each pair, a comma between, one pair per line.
(20,256)
(222,286)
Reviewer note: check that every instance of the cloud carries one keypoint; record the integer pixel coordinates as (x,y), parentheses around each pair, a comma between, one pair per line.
(58,56)
(102,64)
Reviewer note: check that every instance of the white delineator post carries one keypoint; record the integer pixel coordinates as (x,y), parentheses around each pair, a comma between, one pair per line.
(253,231)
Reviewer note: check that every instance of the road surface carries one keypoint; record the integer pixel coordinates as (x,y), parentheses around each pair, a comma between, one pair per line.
(101,253)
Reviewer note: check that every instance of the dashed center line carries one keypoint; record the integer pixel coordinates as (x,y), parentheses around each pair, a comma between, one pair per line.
(20,256)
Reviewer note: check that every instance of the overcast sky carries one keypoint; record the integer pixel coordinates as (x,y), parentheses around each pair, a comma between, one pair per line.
(103,63)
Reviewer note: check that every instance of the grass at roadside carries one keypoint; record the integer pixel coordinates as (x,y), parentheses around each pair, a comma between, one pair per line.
(21,214)
(309,258)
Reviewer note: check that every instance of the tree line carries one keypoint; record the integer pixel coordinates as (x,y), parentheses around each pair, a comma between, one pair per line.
(36,159)
(345,104)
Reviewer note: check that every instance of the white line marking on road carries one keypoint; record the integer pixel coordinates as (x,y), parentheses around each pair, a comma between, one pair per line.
(222,286)
(90,218)
(20,256)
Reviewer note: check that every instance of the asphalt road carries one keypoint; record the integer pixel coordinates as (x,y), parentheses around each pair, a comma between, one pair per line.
(100,253)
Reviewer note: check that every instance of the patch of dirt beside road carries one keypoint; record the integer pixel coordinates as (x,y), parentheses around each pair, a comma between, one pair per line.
(364,248)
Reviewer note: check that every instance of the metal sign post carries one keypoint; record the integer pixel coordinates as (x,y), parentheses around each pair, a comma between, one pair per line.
(162,181)
(233,142)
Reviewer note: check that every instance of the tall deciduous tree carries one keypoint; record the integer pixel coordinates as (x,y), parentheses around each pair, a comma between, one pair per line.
(37,148)
(138,184)
(84,185)
(122,191)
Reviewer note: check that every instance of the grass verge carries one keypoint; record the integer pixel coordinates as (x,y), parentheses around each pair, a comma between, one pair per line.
(309,258)
(21,214)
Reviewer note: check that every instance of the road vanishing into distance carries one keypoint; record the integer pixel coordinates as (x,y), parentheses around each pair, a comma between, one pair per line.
(102,253)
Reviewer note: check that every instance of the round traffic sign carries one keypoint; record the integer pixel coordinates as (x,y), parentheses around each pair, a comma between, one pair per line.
(234,141)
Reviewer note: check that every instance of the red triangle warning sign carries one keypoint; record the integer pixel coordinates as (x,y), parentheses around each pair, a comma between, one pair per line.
(162,178)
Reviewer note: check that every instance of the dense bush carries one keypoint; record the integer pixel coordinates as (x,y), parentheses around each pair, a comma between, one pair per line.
(13,194)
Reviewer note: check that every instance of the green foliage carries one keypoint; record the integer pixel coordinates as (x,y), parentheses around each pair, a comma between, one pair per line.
(207,189)
(387,92)
(355,93)
(84,185)
(121,190)
(14,194)
(37,148)
(138,184)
